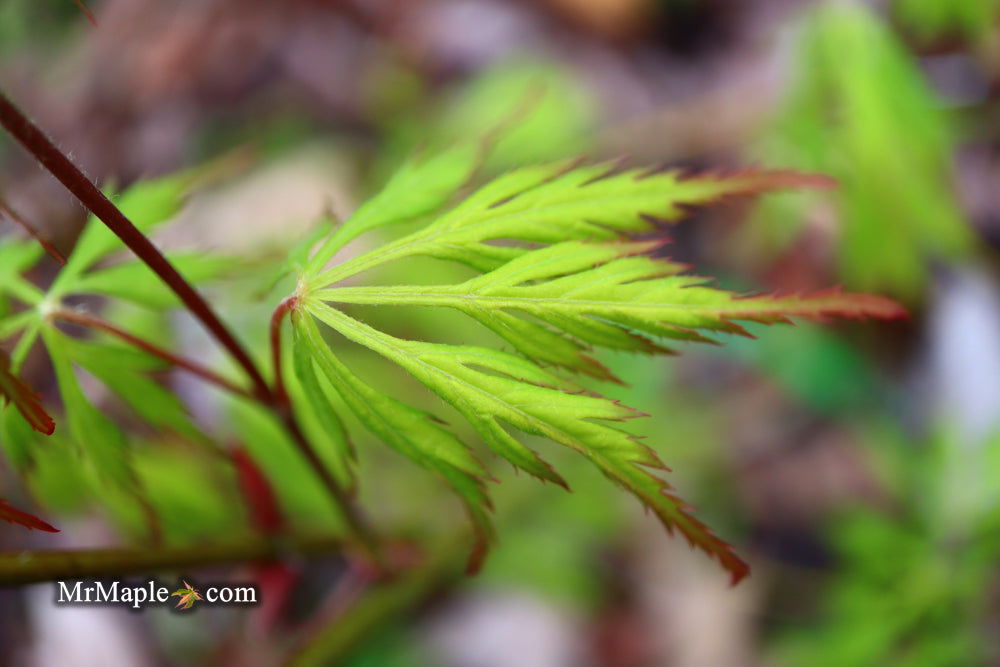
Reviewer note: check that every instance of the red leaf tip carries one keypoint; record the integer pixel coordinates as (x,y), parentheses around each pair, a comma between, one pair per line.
(29,521)
(28,402)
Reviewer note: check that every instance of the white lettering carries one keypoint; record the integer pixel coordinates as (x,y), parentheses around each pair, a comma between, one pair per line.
(106,595)
(66,596)
(246,594)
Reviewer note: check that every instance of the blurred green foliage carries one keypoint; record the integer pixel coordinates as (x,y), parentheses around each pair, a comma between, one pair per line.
(546,112)
(911,586)
(931,20)
(861,111)
(536,110)
(820,368)
(36,24)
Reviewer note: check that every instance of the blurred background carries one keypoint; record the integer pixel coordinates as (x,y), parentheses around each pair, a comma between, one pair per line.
(855,466)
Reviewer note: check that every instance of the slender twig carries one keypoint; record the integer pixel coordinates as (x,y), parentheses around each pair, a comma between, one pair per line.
(189,365)
(42,239)
(283,406)
(86,12)
(27,567)
(59,165)
(282,311)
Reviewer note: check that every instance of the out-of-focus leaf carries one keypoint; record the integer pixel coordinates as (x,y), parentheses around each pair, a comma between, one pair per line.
(29,336)
(97,435)
(147,204)
(29,403)
(540,111)
(16,257)
(823,371)
(303,500)
(936,19)
(193,492)
(862,112)
(136,282)
(122,370)
(16,436)
(909,585)
(11,325)
(58,477)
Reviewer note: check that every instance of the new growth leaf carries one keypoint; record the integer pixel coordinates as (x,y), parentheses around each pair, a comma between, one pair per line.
(561,275)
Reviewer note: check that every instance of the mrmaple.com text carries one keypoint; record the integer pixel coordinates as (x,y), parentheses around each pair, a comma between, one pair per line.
(137,595)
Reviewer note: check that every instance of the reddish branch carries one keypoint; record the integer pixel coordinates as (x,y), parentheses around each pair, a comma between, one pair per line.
(283,309)
(42,239)
(25,567)
(283,407)
(92,322)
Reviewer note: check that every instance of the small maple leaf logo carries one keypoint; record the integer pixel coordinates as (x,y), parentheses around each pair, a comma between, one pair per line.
(188,595)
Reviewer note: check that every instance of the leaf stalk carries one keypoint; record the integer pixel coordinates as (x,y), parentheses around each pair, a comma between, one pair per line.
(189,365)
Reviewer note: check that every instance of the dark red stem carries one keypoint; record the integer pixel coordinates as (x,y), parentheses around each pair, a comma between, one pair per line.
(282,311)
(283,406)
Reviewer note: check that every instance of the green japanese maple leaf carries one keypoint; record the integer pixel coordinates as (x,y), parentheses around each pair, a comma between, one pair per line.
(188,596)
(560,275)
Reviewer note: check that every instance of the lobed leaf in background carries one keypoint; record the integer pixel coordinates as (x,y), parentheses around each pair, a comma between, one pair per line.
(148,204)
(105,455)
(558,278)
(96,457)
(535,111)
(124,371)
(545,112)
(862,113)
